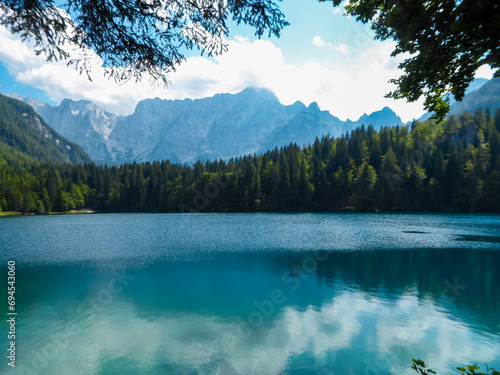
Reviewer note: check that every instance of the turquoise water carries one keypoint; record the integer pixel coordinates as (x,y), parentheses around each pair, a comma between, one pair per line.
(252,293)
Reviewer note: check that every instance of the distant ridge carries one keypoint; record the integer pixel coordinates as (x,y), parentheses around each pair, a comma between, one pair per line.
(475,97)
(384,117)
(486,96)
(219,127)
(23,131)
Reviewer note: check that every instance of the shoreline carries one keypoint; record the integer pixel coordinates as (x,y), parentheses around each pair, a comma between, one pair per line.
(72,212)
(348,212)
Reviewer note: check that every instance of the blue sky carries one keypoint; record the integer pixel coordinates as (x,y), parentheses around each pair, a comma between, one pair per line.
(321,56)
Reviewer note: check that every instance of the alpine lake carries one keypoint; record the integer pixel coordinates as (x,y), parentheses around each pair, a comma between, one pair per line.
(307,293)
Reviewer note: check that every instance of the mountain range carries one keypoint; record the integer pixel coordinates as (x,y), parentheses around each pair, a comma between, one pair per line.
(24,134)
(486,96)
(469,104)
(218,127)
(222,126)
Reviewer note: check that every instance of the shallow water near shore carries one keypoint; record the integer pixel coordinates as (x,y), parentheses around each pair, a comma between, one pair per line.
(252,293)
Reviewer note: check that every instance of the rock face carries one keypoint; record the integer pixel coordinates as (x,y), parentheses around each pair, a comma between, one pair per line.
(25,131)
(222,126)
(82,122)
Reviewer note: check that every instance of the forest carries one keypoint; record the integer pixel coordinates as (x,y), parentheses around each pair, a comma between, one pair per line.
(452,166)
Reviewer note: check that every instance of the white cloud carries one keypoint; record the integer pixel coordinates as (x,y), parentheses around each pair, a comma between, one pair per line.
(14,51)
(319,42)
(348,93)
(340,8)
(345,93)
(385,331)
(485,72)
(341,48)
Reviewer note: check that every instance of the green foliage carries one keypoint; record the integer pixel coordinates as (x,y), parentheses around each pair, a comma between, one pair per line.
(134,37)
(447,42)
(40,208)
(12,156)
(420,367)
(24,137)
(29,204)
(454,166)
(363,197)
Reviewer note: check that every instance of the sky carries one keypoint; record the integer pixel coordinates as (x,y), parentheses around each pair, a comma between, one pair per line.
(322,56)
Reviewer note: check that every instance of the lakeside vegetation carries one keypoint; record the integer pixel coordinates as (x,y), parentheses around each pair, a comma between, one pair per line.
(452,166)
(420,367)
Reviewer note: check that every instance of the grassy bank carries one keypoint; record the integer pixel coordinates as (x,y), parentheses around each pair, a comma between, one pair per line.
(72,212)
(9,213)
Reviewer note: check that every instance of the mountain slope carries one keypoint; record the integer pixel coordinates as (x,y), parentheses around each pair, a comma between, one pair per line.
(222,126)
(384,117)
(487,96)
(304,127)
(471,100)
(80,121)
(23,130)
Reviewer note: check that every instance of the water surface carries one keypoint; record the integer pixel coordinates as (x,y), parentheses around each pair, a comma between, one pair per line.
(253,293)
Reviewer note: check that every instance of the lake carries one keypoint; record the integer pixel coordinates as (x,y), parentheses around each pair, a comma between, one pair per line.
(252,293)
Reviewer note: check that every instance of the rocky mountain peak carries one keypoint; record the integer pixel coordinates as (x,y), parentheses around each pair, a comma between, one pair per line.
(222,126)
